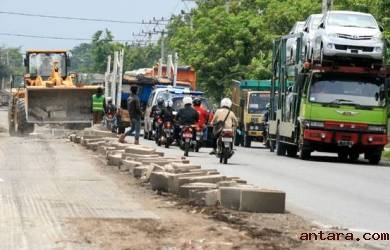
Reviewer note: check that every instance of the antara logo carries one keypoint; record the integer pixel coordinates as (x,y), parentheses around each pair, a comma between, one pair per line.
(347,113)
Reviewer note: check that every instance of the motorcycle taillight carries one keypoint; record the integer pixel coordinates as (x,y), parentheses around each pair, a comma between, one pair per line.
(227,133)
(168,125)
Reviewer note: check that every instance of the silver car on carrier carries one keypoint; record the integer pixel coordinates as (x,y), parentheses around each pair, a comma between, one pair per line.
(348,34)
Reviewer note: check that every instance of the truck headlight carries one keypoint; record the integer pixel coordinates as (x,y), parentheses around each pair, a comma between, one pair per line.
(378,49)
(376,128)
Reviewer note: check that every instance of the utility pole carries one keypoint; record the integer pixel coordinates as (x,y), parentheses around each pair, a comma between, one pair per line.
(176,63)
(120,72)
(326,5)
(114,77)
(107,86)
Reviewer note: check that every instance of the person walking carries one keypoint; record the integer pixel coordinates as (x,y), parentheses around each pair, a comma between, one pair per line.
(98,106)
(134,108)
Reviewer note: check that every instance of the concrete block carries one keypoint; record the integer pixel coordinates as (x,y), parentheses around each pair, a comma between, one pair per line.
(205,198)
(85,141)
(182,167)
(173,179)
(230,197)
(94,145)
(114,152)
(227,184)
(114,160)
(77,139)
(140,171)
(136,149)
(205,178)
(72,137)
(138,157)
(102,149)
(128,165)
(184,190)
(262,200)
(159,181)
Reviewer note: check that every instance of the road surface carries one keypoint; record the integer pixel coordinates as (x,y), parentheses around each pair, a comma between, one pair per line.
(345,195)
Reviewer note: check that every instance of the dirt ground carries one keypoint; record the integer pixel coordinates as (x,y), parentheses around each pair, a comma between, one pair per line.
(182,225)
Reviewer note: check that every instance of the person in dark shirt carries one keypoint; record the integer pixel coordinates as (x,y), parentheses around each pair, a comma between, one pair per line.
(187,115)
(167,112)
(134,108)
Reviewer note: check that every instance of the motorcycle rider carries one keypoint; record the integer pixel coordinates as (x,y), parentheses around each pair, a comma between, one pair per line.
(156,113)
(203,115)
(224,114)
(167,112)
(187,115)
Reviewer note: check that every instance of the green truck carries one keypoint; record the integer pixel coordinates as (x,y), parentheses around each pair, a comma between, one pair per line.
(250,99)
(330,108)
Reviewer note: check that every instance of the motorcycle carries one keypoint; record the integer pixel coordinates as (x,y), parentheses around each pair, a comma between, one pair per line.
(158,122)
(109,121)
(197,143)
(225,145)
(166,134)
(186,139)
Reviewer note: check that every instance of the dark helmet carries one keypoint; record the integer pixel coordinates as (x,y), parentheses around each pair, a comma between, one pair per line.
(160,101)
(197,102)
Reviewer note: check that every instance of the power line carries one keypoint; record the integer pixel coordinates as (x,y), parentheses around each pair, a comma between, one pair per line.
(153,21)
(58,37)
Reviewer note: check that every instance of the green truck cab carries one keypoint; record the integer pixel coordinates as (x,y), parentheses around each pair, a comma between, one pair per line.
(341,109)
(250,99)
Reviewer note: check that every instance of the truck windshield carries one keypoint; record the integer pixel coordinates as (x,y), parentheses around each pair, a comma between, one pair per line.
(344,89)
(258,102)
(42,63)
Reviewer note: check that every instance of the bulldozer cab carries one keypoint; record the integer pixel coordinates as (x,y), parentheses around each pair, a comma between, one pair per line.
(42,63)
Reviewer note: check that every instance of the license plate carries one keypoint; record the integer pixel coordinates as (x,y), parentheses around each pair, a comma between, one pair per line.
(227,139)
(168,130)
(187,135)
(197,138)
(345,143)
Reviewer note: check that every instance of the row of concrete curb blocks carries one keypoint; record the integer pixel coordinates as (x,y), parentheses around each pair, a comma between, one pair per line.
(176,175)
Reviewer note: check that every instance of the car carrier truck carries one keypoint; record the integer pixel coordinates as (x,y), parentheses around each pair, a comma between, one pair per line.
(330,108)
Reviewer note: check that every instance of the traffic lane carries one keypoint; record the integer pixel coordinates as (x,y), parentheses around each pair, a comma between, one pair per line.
(332,193)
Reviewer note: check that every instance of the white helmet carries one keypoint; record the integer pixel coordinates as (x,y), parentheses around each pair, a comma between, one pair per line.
(226,102)
(109,99)
(187,100)
(168,103)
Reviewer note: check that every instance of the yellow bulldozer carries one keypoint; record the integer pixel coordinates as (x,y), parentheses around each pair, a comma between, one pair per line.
(48,94)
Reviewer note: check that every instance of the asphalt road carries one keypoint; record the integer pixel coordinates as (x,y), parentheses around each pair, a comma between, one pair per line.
(334,194)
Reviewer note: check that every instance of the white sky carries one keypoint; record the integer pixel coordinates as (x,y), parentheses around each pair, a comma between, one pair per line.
(130,10)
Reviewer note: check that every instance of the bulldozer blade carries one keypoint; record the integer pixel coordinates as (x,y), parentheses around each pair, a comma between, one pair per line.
(59,104)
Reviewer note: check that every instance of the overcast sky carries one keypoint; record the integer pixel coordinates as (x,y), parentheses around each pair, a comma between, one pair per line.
(122,10)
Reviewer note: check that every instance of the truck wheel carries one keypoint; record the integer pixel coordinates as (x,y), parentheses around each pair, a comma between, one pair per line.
(343,156)
(247,141)
(304,154)
(353,156)
(280,148)
(11,124)
(23,128)
(375,157)
(292,150)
